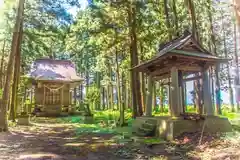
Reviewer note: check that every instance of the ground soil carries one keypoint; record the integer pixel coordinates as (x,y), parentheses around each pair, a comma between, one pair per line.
(59,141)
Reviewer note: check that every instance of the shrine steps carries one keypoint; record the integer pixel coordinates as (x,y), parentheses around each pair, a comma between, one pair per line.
(168,128)
(146,127)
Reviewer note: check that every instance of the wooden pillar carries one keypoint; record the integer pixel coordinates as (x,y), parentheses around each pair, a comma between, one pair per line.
(169,98)
(44,92)
(62,97)
(149,96)
(207,97)
(181,91)
(175,93)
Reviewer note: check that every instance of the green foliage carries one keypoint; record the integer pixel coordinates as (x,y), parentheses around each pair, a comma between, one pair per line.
(93,94)
(1,92)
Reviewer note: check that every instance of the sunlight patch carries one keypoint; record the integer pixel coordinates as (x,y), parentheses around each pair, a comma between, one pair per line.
(75,144)
(40,156)
(70,138)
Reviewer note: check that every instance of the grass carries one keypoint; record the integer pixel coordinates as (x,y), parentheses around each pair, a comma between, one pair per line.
(105,121)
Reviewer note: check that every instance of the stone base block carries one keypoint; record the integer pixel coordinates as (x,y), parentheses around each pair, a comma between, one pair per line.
(23,120)
(168,128)
(172,128)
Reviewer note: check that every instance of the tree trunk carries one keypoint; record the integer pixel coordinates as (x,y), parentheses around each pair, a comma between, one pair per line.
(191,10)
(75,96)
(123,91)
(197,83)
(108,98)
(228,70)
(166,10)
(143,88)
(236,78)
(7,86)
(143,91)
(16,76)
(111,98)
(98,103)
(135,82)
(103,99)
(119,91)
(217,81)
(175,18)
(1,66)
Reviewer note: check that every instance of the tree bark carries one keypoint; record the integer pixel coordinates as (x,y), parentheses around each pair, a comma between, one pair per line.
(16,76)
(175,18)
(197,83)
(123,91)
(75,95)
(7,86)
(135,82)
(143,88)
(1,66)
(111,103)
(119,90)
(103,99)
(166,10)
(191,10)
(98,103)
(230,90)
(236,78)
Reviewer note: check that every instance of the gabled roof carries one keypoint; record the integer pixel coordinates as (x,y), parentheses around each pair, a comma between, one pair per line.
(54,70)
(185,45)
(179,43)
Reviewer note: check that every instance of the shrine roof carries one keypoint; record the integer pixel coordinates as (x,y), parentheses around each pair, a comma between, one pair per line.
(46,69)
(185,47)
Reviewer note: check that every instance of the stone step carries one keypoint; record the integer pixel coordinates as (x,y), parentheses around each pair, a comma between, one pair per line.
(151,121)
(145,129)
(141,133)
(148,126)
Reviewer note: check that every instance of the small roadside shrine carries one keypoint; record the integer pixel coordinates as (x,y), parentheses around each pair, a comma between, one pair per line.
(52,81)
(175,60)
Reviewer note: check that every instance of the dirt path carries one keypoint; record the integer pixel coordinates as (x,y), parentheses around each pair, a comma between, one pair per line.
(51,142)
(59,141)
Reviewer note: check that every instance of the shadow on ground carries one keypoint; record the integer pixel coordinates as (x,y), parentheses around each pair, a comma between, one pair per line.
(59,141)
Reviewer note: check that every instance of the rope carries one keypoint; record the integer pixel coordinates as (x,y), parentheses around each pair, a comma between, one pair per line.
(53,89)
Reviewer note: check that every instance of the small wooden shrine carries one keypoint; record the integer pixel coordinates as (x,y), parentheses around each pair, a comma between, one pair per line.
(175,60)
(52,81)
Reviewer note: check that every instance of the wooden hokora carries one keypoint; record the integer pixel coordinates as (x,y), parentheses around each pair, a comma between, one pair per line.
(52,81)
(177,62)
(177,59)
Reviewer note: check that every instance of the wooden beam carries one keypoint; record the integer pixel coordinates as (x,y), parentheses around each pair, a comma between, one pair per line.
(166,69)
(165,83)
(192,78)
(160,77)
(190,68)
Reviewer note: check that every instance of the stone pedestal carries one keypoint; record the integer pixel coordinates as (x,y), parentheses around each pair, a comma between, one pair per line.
(169,128)
(23,120)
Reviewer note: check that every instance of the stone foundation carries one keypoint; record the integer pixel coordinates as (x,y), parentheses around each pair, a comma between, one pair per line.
(168,128)
(23,120)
